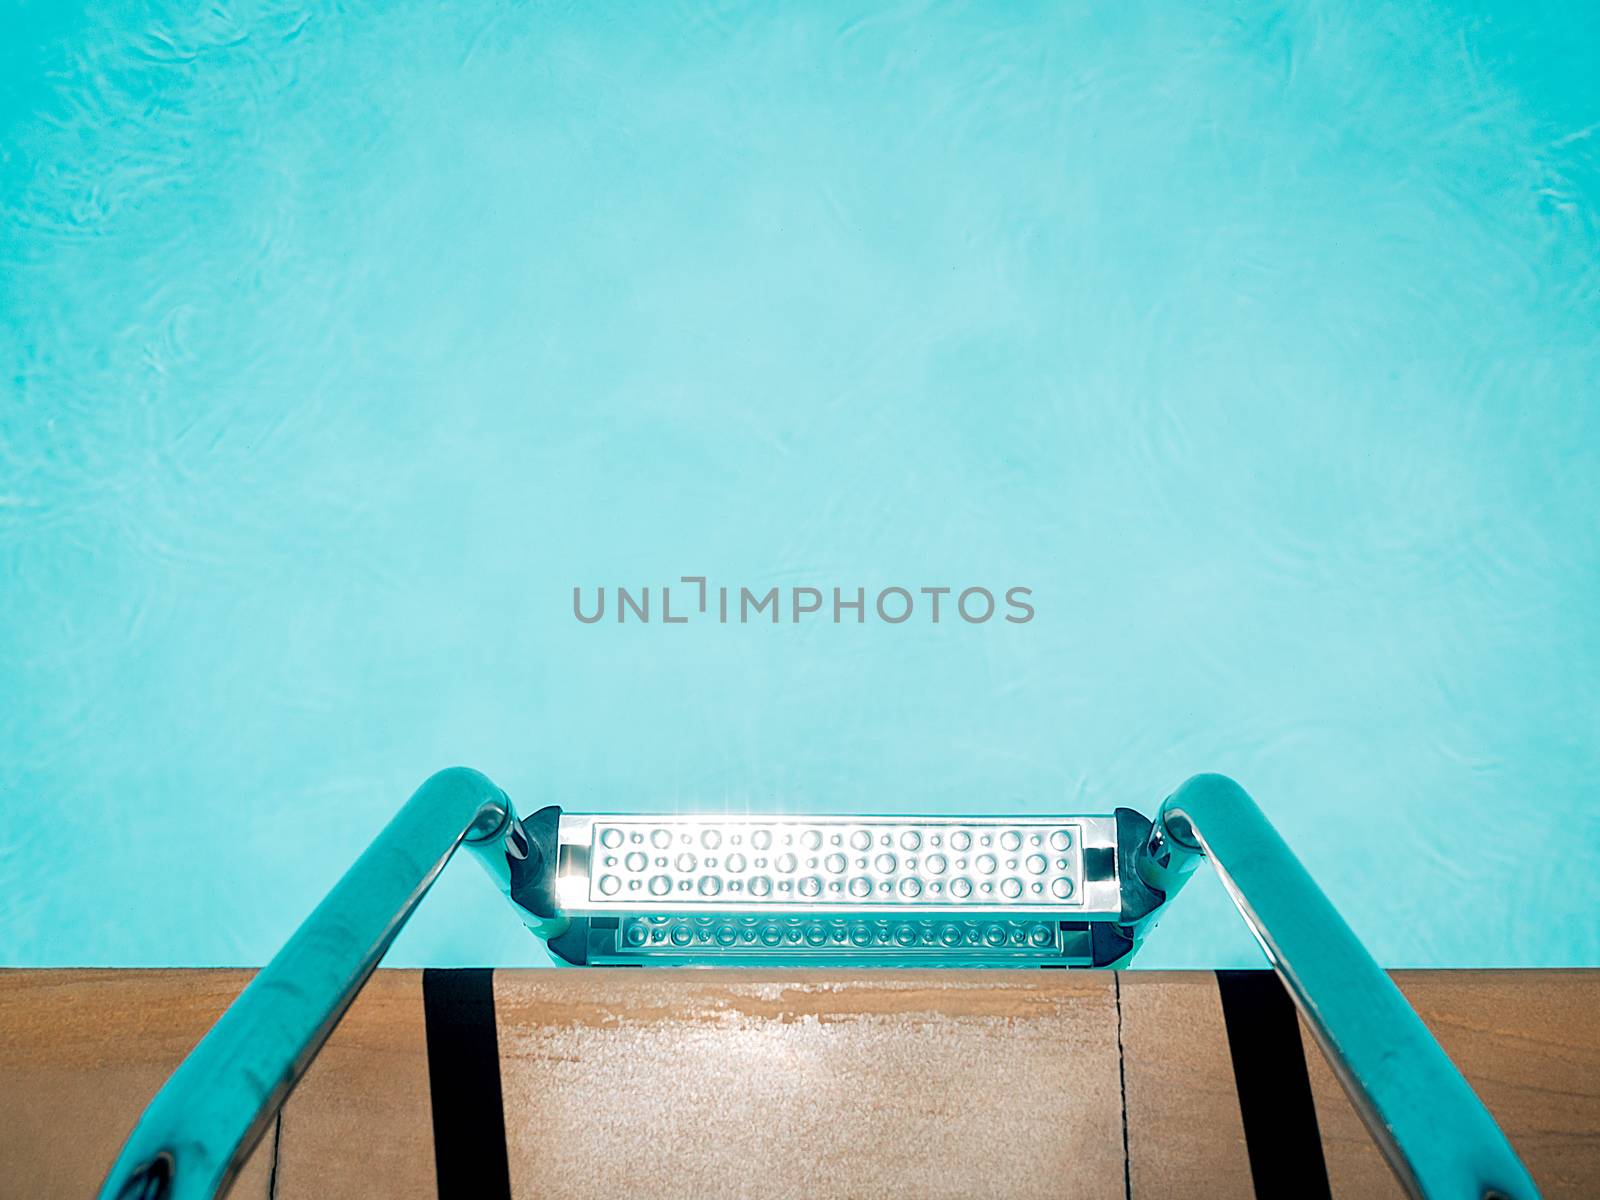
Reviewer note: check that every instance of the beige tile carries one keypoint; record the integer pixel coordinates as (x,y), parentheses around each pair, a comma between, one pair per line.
(361,1122)
(690,1084)
(81,1054)
(1185,1134)
(667,1084)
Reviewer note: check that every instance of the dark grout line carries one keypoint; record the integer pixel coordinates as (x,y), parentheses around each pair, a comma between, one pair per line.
(1122,1080)
(277,1142)
(1281,1133)
(469,1116)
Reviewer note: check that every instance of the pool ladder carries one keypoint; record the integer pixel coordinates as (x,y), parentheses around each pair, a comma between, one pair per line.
(1109,883)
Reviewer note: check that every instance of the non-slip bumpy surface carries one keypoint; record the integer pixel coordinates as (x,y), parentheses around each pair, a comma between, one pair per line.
(840,863)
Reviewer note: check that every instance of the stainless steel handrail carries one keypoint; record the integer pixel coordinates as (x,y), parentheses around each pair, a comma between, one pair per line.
(1435,1132)
(197,1132)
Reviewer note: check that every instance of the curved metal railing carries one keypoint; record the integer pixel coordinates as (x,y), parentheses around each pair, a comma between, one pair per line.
(203,1123)
(1438,1137)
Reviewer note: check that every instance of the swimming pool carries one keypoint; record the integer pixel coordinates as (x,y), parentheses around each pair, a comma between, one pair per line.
(340,347)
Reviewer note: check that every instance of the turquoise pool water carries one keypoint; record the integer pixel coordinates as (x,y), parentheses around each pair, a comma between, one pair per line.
(340,344)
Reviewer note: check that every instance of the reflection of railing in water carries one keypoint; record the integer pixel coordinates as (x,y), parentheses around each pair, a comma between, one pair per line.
(1439,1139)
